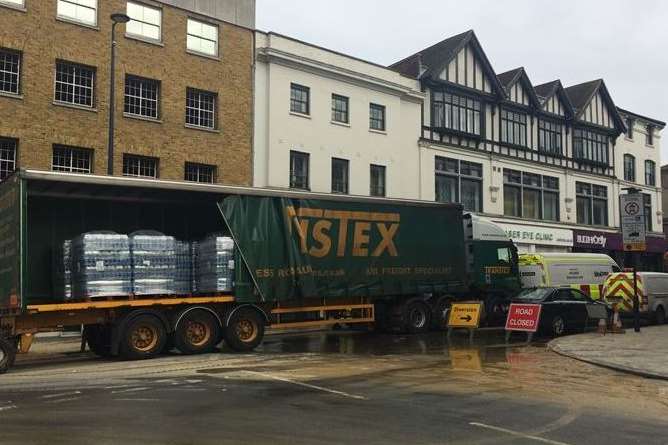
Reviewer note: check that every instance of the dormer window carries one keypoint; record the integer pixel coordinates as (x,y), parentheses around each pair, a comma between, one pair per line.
(590,146)
(454,112)
(514,128)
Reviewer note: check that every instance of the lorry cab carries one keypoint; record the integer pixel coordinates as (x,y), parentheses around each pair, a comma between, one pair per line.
(618,291)
(584,271)
(491,257)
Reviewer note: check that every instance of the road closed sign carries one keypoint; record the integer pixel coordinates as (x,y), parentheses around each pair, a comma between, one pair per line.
(464,315)
(523,317)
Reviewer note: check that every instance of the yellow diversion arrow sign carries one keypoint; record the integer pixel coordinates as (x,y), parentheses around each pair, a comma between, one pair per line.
(464,315)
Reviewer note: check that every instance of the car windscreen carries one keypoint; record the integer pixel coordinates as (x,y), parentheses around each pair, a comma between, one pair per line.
(535,294)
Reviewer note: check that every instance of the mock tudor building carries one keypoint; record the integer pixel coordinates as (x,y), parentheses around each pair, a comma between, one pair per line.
(327,122)
(544,162)
(184,88)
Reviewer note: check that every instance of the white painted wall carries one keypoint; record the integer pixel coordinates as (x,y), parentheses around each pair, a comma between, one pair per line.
(282,61)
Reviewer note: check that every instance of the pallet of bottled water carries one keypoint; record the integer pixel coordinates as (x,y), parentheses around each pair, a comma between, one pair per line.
(102,265)
(62,270)
(183,275)
(215,265)
(153,263)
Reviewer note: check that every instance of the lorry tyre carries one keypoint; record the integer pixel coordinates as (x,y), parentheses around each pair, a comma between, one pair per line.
(197,333)
(244,330)
(416,317)
(660,316)
(558,326)
(144,337)
(7,355)
(440,311)
(98,338)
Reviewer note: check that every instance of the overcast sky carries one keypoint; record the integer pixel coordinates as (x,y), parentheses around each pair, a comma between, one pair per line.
(621,41)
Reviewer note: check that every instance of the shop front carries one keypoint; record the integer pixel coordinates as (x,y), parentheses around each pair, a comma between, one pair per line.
(532,239)
(610,243)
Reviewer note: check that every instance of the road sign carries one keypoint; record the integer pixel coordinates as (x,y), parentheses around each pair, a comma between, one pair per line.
(523,317)
(465,359)
(464,315)
(632,208)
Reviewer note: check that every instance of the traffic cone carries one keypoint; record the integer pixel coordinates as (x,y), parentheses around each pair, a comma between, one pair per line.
(616,322)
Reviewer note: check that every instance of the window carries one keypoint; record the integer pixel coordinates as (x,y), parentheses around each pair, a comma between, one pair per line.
(455,112)
(200,173)
(145,21)
(299,170)
(550,137)
(650,173)
(647,201)
(140,166)
(377,117)
(202,37)
(629,127)
(141,97)
(649,138)
(74,84)
(629,168)
(528,195)
(514,128)
(7,157)
(377,180)
(71,159)
(592,204)
(340,109)
(459,181)
(339,176)
(10,71)
(84,11)
(20,3)
(200,108)
(300,99)
(590,146)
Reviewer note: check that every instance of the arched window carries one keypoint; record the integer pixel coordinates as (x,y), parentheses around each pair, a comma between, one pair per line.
(629,168)
(650,173)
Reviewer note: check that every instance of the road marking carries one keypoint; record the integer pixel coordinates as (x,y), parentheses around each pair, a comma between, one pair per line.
(55,396)
(307,385)
(71,399)
(517,434)
(123,391)
(7,408)
(193,381)
(137,400)
(117,386)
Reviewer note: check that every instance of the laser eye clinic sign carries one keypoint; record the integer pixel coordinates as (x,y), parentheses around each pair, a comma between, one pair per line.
(546,236)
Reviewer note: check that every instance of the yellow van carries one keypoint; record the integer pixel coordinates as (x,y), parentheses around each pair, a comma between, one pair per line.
(584,271)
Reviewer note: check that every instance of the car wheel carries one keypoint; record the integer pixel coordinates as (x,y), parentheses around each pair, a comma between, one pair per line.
(660,316)
(558,326)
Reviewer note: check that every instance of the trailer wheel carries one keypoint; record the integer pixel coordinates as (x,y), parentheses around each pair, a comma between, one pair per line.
(197,333)
(144,337)
(416,317)
(7,355)
(244,330)
(98,338)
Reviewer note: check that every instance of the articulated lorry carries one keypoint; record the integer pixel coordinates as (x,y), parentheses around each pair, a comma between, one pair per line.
(301,260)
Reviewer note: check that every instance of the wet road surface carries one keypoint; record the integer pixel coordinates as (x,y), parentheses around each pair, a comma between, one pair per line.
(327,388)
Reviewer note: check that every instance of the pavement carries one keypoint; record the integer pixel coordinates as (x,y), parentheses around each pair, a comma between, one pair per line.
(326,388)
(644,354)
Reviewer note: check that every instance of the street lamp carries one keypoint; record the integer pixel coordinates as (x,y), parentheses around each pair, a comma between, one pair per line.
(116,19)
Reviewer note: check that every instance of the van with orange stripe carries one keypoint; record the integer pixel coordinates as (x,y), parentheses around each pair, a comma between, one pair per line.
(652,294)
(585,272)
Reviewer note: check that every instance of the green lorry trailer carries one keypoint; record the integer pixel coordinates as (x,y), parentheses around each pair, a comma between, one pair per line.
(301,260)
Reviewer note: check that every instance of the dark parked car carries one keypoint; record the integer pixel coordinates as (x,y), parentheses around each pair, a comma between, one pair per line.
(564,310)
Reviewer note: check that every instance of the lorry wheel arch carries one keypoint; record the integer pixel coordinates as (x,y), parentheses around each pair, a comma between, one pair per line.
(244,329)
(249,306)
(182,314)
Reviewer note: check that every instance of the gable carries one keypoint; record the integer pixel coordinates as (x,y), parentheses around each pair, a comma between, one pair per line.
(467,70)
(555,106)
(518,94)
(597,112)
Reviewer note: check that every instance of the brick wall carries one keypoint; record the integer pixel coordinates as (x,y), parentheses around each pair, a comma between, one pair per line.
(38,123)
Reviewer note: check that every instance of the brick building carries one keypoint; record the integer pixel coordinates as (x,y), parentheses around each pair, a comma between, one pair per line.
(184,89)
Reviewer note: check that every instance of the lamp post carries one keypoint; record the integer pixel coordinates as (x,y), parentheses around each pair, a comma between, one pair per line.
(116,19)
